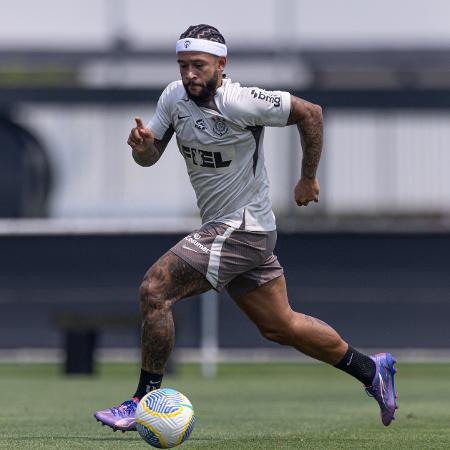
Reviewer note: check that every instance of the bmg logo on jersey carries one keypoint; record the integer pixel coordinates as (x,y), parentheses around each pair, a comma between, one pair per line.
(204,158)
(267,96)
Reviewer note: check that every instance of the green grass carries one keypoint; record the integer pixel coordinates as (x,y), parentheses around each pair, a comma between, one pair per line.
(261,406)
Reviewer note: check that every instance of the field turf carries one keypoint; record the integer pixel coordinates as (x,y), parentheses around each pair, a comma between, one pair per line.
(253,406)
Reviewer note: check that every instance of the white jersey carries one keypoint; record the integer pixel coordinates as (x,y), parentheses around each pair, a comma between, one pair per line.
(223,149)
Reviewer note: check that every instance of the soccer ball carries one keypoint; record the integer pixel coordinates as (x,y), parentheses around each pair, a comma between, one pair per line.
(164,418)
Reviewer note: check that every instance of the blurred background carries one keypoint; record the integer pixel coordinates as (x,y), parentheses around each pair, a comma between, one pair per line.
(81,222)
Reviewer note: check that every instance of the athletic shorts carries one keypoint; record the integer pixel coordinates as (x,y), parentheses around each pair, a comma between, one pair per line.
(238,260)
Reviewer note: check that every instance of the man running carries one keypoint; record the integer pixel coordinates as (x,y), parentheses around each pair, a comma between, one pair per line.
(219,127)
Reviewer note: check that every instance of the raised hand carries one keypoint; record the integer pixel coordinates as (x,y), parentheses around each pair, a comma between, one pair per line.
(140,138)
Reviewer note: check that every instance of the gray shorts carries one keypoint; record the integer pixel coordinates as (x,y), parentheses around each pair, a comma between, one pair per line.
(237,259)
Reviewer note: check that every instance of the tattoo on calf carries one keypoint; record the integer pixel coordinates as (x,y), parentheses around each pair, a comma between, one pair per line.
(316,321)
(158,335)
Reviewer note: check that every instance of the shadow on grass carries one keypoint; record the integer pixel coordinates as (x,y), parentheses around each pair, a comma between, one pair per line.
(118,437)
(75,438)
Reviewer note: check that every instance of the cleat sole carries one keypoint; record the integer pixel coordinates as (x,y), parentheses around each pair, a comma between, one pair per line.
(115,428)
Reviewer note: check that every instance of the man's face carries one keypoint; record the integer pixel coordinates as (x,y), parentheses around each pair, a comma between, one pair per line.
(201,74)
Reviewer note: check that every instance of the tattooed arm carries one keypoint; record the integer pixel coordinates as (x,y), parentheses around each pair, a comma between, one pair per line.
(146,149)
(309,120)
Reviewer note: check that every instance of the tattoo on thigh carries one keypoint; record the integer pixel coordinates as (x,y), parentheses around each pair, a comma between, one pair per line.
(181,279)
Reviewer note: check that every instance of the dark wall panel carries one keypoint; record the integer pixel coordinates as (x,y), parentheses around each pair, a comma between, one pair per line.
(375,289)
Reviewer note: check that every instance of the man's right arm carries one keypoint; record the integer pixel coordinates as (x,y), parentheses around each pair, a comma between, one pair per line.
(146,149)
(309,120)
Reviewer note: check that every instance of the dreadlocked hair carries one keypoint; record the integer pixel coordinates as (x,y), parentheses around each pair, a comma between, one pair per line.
(203,31)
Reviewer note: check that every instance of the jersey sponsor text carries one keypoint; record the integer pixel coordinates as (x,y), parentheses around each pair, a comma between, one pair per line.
(205,158)
(267,96)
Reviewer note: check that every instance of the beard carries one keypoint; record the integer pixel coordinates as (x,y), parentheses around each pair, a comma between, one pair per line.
(207,92)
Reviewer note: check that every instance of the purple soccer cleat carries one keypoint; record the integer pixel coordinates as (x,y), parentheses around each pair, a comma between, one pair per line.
(119,417)
(383,389)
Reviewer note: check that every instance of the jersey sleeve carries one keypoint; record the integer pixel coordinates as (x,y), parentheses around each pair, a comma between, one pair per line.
(161,121)
(250,106)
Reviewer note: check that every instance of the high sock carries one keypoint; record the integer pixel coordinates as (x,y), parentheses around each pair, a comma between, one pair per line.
(147,382)
(360,366)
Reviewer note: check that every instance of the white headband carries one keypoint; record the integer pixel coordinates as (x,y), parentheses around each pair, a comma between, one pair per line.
(201,45)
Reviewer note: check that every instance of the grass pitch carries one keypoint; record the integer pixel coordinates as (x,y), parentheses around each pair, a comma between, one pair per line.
(253,406)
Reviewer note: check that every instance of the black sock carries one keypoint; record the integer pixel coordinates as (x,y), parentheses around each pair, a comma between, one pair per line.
(360,366)
(147,382)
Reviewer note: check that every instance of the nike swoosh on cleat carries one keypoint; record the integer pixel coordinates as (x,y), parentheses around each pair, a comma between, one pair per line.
(381,388)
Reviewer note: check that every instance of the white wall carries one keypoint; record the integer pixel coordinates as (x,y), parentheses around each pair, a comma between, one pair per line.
(373,162)
(391,162)
(388,162)
(92,23)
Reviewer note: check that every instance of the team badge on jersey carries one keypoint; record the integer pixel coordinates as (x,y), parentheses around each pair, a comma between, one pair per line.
(220,127)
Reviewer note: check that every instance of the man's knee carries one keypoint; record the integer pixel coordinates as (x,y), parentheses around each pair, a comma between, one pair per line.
(153,292)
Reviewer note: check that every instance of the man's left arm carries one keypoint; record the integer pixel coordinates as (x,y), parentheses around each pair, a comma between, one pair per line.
(309,120)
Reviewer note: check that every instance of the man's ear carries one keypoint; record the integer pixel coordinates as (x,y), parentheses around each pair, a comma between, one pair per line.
(222,62)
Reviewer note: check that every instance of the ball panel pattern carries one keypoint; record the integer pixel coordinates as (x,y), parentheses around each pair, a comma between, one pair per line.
(148,435)
(163,401)
(165,418)
(188,430)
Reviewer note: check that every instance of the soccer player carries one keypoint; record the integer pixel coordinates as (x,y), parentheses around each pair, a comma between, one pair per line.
(219,127)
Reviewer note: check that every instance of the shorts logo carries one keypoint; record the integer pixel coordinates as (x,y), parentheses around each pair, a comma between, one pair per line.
(200,124)
(187,44)
(189,249)
(267,96)
(197,244)
(204,158)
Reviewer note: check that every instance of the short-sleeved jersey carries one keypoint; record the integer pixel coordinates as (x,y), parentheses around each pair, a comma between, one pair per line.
(223,149)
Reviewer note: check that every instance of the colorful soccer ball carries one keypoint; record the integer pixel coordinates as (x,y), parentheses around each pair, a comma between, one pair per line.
(164,418)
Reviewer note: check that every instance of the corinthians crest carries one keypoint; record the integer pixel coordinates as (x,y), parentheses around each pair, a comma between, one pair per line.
(220,127)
